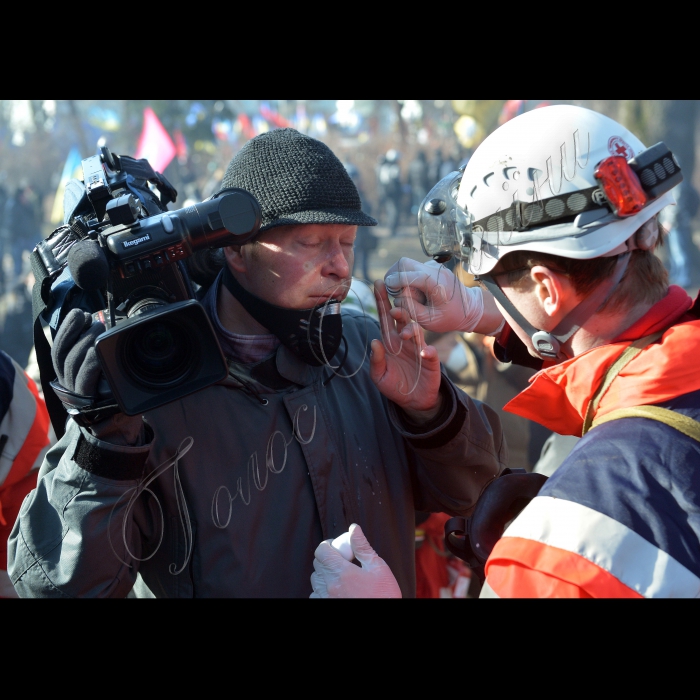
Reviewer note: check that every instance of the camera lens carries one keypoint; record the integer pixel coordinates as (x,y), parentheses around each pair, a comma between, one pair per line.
(159,354)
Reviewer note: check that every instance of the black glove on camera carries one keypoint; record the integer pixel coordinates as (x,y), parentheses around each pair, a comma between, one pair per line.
(74,356)
(79,376)
(78,370)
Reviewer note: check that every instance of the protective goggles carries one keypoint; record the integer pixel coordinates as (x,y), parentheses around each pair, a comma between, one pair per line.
(624,188)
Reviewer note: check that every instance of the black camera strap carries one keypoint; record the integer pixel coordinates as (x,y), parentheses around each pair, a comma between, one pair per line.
(40,295)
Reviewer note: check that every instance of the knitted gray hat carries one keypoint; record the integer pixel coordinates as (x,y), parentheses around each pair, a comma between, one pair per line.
(296,180)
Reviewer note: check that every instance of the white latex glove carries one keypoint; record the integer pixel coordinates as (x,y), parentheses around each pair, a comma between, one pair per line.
(335,577)
(438,301)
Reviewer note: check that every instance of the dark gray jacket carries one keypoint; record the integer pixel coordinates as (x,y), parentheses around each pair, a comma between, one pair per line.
(243,479)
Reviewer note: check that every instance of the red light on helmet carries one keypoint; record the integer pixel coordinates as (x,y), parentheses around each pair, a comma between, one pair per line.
(621,186)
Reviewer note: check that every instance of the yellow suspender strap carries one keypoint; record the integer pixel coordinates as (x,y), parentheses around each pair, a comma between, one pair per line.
(682,423)
(627,356)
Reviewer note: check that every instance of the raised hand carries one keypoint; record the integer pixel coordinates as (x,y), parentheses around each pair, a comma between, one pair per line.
(404,368)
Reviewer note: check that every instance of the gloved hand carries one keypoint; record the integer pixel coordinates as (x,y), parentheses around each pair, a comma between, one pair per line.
(73,353)
(335,577)
(79,371)
(438,301)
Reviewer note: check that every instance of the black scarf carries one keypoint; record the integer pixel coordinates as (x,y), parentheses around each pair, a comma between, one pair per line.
(313,335)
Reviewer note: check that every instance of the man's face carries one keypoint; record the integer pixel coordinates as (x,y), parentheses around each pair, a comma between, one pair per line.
(298,267)
(525,300)
(544,299)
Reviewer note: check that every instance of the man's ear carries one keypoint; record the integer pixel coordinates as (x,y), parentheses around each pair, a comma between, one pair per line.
(553,289)
(235,258)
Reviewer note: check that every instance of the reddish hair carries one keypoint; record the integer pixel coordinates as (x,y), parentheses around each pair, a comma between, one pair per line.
(645,280)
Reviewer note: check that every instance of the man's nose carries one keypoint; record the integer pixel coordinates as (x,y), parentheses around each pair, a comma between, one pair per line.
(337,263)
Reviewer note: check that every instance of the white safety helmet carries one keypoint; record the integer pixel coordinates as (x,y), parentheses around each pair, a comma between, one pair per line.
(562,180)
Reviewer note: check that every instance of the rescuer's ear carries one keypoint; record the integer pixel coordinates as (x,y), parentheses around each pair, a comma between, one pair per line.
(553,289)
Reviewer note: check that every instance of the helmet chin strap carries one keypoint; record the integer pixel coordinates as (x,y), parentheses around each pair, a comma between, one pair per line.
(548,344)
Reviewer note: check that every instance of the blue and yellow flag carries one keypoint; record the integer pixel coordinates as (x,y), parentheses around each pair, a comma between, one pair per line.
(70,170)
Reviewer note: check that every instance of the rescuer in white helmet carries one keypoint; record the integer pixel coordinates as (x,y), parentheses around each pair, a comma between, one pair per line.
(556,215)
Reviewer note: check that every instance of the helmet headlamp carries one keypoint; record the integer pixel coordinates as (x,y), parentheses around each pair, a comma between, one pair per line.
(621,186)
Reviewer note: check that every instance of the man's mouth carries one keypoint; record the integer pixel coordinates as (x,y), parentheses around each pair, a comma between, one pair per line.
(329,298)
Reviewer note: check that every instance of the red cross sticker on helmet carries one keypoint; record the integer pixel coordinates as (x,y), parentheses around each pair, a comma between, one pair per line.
(617,146)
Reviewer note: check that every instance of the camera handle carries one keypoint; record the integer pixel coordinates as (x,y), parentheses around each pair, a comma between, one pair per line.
(141,170)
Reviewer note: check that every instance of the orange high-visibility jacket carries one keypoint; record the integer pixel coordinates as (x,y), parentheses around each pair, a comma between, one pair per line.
(621,516)
(24,439)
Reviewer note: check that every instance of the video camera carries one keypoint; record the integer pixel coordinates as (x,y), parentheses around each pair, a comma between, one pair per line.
(124,257)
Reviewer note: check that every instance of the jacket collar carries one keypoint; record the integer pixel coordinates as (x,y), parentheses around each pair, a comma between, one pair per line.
(558,396)
(278,372)
(295,369)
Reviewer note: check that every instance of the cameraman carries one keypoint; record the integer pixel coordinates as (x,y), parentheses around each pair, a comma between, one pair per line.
(227,492)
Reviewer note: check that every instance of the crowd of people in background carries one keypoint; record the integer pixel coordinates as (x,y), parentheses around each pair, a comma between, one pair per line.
(20,230)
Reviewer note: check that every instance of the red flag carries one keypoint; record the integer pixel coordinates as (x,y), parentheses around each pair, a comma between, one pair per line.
(154,143)
(273,117)
(246,126)
(511,109)
(180,146)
